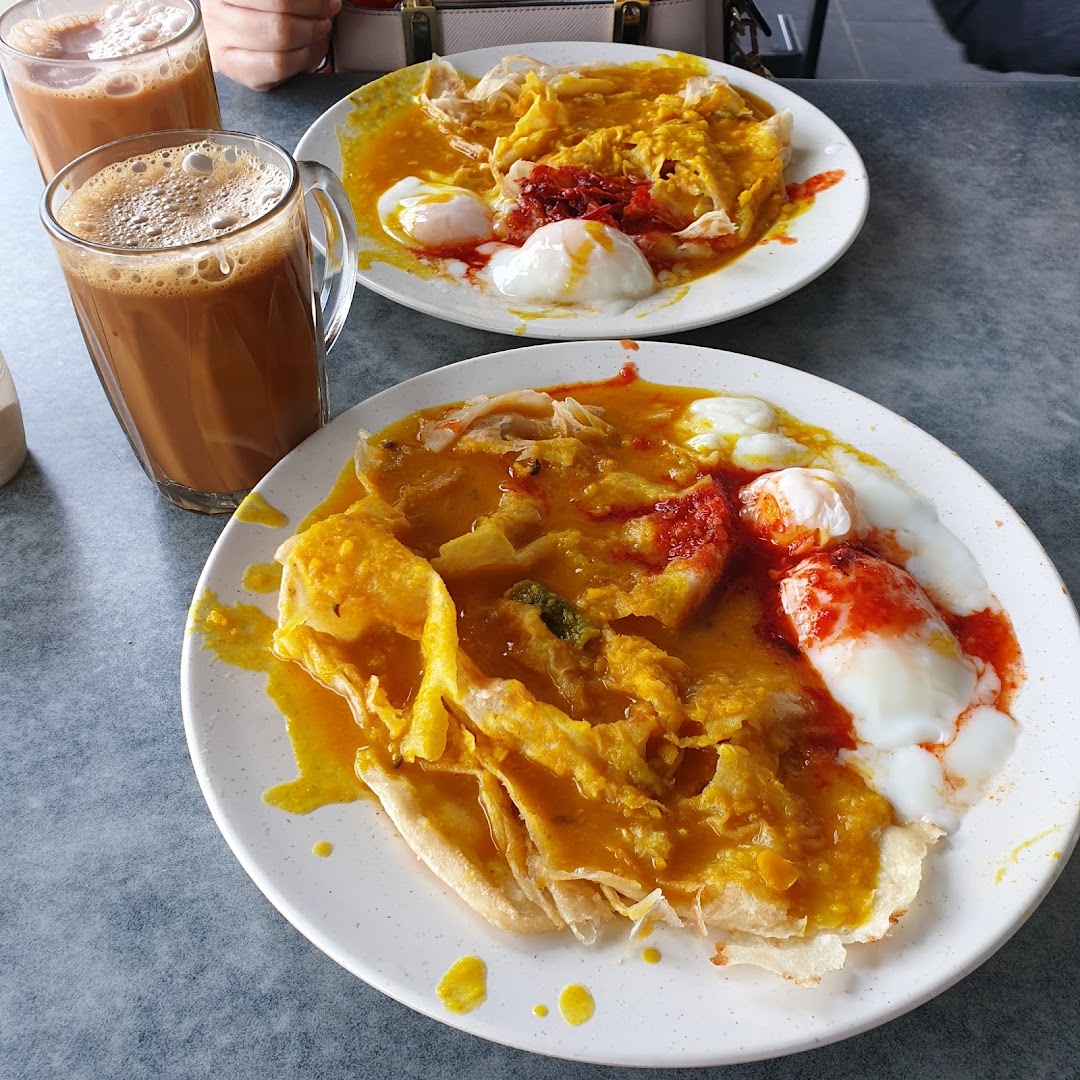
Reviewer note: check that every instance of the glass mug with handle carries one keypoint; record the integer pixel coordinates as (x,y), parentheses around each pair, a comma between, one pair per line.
(189,263)
(80,73)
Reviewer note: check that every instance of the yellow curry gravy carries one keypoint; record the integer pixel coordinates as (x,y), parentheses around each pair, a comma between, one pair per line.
(819,813)
(576,1004)
(321,728)
(738,635)
(406,141)
(463,987)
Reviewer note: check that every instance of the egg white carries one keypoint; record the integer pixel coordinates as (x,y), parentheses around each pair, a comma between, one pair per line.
(743,428)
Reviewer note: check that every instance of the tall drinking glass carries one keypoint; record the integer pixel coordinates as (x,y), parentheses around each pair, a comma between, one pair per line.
(80,73)
(189,264)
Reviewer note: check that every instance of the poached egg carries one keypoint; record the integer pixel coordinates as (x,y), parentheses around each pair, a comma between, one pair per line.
(573,261)
(802,510)
(425,214)
(743,428)
(928,736)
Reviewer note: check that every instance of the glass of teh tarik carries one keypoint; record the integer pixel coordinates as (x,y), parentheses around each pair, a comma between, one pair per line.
(79,75)
(189,262)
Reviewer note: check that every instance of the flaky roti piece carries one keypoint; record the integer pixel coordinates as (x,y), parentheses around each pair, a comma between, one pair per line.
(355,578)
(488,887)
(560,759)
(467,805)
(800,960)
(804,960)
(713,164)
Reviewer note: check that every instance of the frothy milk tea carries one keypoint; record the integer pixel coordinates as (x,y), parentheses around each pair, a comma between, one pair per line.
(210,354)
(79,80)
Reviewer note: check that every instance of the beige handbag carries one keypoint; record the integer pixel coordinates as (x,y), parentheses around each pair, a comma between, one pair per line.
(374,39)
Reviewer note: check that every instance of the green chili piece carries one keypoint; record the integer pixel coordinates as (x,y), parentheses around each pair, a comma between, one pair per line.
(559,615)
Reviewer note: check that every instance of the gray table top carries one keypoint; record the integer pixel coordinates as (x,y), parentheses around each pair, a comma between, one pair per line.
(133,942)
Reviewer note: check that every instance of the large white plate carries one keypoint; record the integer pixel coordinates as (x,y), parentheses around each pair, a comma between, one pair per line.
(764,274)
(382,915)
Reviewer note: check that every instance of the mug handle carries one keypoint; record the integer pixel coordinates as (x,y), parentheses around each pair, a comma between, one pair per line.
(342,246)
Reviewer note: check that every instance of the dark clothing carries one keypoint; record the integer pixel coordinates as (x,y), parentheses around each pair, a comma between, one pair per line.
(1017,35)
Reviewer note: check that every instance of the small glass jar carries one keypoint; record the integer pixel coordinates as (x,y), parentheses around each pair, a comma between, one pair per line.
(12,436)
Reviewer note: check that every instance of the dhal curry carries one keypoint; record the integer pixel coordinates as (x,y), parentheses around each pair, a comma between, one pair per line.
(621,651)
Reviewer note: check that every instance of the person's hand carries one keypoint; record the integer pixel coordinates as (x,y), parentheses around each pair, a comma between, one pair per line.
(261,43)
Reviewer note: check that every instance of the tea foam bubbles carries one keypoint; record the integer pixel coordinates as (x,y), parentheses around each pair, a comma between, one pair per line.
(120,29)
(173,197)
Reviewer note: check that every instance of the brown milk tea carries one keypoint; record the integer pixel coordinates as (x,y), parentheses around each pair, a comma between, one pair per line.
(79,80)
(212,354)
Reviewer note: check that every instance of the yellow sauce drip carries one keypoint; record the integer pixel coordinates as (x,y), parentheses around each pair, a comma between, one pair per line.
(257,511)
(262,577)
(527,316)
(342,495)
(540,1010)
(1014,856)
(676,296)
(651,955)
(464,986)
(322,848)
(576,1004)
(321,728)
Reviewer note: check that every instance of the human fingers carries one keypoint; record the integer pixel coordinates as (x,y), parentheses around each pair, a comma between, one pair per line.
(265,70)
(306,9)
(244,28)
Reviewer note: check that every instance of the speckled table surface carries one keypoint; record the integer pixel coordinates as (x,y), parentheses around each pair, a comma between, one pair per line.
(134,944)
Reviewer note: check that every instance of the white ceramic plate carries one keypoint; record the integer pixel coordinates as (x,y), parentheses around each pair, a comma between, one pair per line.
(764,274)
(378,912)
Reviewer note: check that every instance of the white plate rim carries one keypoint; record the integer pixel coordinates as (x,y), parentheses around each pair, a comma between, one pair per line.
(993,845)
(767,273)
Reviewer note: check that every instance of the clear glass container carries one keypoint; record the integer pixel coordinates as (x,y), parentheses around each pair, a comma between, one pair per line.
(12,436)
